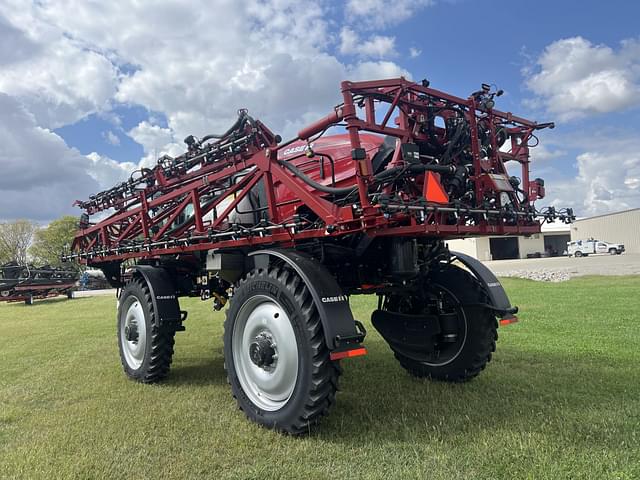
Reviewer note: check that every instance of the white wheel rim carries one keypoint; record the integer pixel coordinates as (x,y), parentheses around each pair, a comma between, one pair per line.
(269,387)
(133,333)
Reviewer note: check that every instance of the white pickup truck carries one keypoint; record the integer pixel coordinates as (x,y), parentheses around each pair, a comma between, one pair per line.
(582,248)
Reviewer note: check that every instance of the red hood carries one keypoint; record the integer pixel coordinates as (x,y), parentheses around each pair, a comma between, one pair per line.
(337,146)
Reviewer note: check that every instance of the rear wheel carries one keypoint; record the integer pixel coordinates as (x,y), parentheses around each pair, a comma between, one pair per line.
(468,329)
(276,358)
(145,348)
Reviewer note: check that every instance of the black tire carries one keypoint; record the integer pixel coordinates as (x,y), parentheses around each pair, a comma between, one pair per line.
(313,391)
(155,359)
(578,254)
(613,251)
(480,332)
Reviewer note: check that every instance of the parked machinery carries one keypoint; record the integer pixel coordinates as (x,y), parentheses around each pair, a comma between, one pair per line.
(286,232)
(28,283)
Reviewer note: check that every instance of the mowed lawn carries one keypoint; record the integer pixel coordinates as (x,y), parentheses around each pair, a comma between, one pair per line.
(561,399)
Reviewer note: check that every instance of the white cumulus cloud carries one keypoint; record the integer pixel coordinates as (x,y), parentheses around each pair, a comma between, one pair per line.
(574,77)
(377,46)
(607,179)
(374,14)
(156,141)
(196,65)
(57,78)
(42,176)
(151,137)
(111,138)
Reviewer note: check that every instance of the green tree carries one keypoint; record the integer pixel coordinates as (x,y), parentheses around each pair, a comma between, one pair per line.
(50,242)
(15,240)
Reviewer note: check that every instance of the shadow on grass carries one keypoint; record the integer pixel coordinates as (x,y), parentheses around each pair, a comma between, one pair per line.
(45,302)
(522,393)
(199,372)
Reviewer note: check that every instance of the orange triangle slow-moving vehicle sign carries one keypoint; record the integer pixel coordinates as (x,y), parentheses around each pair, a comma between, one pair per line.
(433,189)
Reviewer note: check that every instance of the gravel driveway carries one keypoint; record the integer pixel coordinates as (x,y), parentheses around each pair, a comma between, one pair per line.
(559,269)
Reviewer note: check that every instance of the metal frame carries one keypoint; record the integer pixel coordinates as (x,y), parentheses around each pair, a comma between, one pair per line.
(199,181)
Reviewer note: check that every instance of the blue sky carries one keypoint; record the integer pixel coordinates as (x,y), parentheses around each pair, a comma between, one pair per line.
(93,91)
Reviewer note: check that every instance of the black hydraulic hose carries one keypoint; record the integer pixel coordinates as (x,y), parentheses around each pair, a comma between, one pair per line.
(241,118)
(331,162)
(384,175)
(454,141)
(318,186)
(415,169)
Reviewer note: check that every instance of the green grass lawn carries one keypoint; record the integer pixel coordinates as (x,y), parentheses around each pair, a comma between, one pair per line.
(561,399)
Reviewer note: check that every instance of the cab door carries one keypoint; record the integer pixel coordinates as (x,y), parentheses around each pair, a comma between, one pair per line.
(601,247)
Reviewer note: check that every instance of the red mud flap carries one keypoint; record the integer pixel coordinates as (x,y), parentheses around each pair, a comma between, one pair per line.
(508,320)
(356,352)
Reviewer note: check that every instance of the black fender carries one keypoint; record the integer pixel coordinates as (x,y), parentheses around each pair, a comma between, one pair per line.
(163,295)
(341,330)
(498,298)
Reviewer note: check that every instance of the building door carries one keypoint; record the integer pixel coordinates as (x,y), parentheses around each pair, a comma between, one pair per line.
(556,245)
(504,248)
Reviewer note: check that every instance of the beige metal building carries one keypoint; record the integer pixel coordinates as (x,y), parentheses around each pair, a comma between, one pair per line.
(550,242)
(620,227)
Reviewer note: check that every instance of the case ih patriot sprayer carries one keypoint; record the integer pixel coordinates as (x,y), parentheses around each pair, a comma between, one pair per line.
(287,232)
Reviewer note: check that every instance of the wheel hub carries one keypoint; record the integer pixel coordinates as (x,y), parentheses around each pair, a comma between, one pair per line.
(131,333)
(432,331)
(262,351)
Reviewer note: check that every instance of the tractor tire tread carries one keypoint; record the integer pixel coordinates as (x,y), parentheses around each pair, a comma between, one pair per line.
(485,344)
(324,372)
(162,342)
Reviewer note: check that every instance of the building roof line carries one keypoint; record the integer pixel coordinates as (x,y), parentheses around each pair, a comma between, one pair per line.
(606,215)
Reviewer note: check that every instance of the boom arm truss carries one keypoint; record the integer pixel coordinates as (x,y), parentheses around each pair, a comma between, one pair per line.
(187,204)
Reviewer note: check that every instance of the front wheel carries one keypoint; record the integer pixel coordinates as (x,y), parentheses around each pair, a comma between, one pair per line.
(578,254)
(613,251)
(275,354)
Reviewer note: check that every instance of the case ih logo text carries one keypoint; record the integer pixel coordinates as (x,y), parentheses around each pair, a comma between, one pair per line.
(339,298)
(298,149)
(165,297)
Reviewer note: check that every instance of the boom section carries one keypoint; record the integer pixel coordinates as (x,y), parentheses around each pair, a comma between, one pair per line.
(442,166)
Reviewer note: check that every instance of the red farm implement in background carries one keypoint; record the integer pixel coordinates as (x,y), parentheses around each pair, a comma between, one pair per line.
(27,283)
(288,231)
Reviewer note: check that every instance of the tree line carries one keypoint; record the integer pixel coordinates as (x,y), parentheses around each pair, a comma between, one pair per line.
(25,242)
